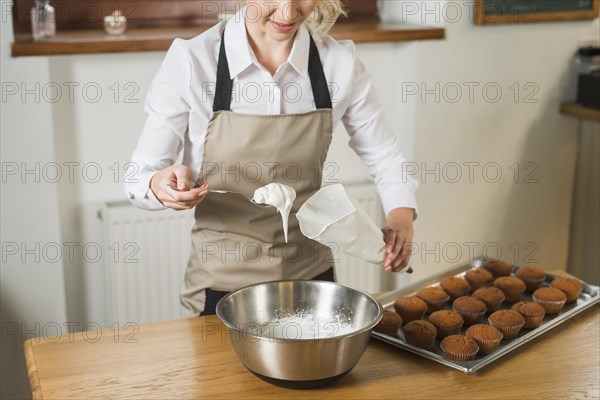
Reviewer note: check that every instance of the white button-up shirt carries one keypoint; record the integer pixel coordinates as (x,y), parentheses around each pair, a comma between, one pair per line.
(180,99)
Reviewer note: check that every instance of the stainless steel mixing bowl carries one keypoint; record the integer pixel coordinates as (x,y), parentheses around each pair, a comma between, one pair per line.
(283,356)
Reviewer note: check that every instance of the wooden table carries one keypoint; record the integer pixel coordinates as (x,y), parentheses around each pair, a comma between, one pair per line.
(192,358)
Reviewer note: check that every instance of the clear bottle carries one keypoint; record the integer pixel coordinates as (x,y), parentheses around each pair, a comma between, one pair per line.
(43,20)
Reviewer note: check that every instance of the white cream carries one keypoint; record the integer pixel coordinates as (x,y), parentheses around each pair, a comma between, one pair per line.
(279,196)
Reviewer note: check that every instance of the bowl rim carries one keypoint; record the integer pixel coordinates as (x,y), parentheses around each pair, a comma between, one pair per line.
(366,328)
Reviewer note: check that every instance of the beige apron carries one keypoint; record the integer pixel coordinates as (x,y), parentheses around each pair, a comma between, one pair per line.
(236,243)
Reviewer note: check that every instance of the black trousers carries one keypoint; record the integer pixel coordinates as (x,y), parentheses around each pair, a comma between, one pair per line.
(213,296)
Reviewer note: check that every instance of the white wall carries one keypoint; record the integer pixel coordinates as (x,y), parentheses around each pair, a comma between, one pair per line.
(98,130)
(32,291)
(527,222)
(103,134)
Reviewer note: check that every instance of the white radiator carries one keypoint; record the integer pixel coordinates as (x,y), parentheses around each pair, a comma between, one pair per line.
(149,252)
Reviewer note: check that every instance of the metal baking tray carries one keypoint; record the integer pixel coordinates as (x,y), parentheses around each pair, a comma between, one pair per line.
(590,295)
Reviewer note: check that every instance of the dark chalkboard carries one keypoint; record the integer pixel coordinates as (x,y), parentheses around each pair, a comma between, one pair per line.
(518,11)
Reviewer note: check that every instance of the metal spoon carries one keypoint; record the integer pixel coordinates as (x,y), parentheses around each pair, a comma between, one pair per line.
(218,191)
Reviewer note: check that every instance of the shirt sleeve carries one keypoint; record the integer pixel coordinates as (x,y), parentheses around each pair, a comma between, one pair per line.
(373,140)
(161,141)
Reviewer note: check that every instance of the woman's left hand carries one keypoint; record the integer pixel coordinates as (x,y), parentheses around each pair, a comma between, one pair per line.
(398,236)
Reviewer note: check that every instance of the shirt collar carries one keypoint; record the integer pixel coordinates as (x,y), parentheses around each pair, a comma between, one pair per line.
(240,55)
(237,47)
(299,55)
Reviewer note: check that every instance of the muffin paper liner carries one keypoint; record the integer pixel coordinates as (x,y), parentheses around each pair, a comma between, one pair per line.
(410,316)
(551,307)
(491,307)
(470,318)
(533,284)
(435,305)
(422,342)
(444,331)
(462,357)
(487,346)
(508,331)
(572,295)
(532,322)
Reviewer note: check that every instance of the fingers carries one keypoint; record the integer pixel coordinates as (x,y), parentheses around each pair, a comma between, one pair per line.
(398,249)
(182,175)
(181,200)
(173,189)
(390,240)
(400,257)
(402,261)
(182,196)
(390,235)
(175,206)
(186,205)
(187,199)
(393,259)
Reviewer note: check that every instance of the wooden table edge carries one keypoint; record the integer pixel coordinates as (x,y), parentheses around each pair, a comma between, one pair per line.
(32,372)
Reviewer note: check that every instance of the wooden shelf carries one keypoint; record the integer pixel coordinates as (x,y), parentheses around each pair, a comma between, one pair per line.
(579,111)
(160,38)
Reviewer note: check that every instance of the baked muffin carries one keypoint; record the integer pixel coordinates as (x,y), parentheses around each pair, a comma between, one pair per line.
(435,298)
(420,333)
(552,299)
(512,288)
(410,308)
(509,322)
(487,337)
(455,287)
(446,322)
(479,277)
(389,324)
(459,348)
(470,308)
(497,267)
(532,312)
(532,276)
(570,287)
(491,296)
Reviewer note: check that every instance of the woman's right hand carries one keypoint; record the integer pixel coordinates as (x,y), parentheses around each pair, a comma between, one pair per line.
(177,176)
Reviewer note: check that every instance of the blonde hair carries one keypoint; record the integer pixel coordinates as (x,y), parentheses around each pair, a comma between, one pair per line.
(325,15)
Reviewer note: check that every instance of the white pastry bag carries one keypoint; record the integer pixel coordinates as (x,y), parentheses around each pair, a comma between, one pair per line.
(331,218)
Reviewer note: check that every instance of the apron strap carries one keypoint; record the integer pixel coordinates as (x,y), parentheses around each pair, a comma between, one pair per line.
(317,78)
(224,84)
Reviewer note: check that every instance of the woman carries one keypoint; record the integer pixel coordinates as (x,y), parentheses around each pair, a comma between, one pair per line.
(251,101)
